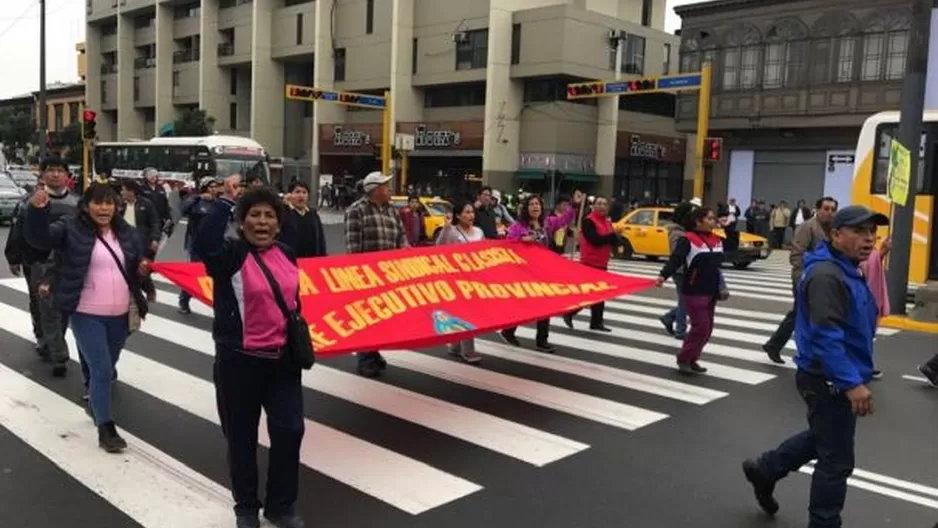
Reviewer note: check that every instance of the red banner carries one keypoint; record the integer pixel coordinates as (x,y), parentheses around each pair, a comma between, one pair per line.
(415,298)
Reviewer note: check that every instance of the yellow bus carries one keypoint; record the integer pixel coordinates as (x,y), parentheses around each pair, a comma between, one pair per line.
(869,184)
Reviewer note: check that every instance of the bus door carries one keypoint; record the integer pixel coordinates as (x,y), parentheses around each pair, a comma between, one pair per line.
(928,190)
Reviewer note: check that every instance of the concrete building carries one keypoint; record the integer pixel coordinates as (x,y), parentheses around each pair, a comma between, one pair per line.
(480,83)
(794,81)
(64,102)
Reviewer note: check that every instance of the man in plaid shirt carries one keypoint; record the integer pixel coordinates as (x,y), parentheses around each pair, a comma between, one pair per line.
(373,224)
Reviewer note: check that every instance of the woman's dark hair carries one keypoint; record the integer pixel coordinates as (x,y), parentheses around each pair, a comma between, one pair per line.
(298,183)
(259,196)
(690,218)
(98,193)
(523,217)
(131,185)
(460,206)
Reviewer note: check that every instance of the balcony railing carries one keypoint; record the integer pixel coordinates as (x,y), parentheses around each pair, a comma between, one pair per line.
(143,63)
(108,68)
(187,55)
(225,49)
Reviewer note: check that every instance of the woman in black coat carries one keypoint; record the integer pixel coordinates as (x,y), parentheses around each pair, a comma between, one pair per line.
(97,285)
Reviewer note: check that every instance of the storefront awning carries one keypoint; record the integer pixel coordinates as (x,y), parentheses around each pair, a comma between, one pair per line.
(531,174)
(583,177)
(542,174)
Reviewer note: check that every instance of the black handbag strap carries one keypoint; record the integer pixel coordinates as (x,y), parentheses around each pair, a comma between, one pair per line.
(274,286)
(117,261)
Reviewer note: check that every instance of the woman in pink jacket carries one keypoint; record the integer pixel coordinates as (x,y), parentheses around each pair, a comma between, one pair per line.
(874,269)
(533,226)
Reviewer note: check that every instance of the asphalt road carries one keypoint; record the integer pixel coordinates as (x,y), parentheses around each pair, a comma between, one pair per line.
(603,434)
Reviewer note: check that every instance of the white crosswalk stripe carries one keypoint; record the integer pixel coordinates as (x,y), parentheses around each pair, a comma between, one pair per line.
(520,406)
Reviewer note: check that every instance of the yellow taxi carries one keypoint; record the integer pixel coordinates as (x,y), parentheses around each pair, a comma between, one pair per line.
(435,210)
(645,232)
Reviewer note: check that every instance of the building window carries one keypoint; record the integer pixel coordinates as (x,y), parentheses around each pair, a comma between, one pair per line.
(698,47)
(833,48)
(175,78)
(516,43)
(299,29)
(740,58)
(633,55)
(786,54)
(472,50)
(59,117)
(103,92)
(73,110)
(455,95)
(666,63)
(413,58)
(370,16)
(646,12)
(110,29)
(136,88)
(338,64)
(233,81)
(233,116)
(886,46)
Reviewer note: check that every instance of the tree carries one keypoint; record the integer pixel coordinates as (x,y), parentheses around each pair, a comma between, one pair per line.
(68,142)
(16,131)
(194,122)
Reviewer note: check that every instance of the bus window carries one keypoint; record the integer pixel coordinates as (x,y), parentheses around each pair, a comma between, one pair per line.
(885,135)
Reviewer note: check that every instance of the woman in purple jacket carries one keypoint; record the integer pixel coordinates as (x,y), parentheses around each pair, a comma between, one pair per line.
(533,226)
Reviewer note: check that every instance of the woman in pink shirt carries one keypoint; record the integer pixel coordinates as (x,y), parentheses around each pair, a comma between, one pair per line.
(96,281)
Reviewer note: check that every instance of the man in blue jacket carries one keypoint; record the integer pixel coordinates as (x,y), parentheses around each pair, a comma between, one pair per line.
(836,321)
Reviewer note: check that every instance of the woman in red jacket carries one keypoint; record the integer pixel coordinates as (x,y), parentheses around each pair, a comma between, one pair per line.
(597,238)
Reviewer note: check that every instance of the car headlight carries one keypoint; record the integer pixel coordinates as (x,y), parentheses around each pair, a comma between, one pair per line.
(745,245)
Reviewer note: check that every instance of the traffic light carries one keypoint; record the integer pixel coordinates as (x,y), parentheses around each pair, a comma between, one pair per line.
(713,149)
(88,124)
(587,89)
(643,85)
(303,93)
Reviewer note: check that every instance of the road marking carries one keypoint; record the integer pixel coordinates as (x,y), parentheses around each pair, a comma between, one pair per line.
(613,413)
(734,288)
(400,481)
(733,292)
(859,483)
(603,373)
(780,283)
(749,377)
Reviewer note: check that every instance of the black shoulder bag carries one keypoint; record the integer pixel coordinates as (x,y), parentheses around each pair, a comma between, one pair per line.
(139,300)
(299,344)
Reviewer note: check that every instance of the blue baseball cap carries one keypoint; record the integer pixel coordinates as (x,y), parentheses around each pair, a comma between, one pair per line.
(856,215)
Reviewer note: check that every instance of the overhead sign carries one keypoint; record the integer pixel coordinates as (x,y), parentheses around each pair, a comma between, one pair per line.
(900,168)
(689,81)
(310,93)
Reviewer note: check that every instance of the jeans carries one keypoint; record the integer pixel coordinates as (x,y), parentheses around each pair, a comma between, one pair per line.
(678,314)
(786,328)
(100,339)
(829,439)
(700,309)
(243,386)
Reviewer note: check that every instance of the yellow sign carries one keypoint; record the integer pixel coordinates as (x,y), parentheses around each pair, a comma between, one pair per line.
(900,162)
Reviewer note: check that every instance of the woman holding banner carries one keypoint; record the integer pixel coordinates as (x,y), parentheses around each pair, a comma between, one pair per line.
(532,226)
(251,368)
(597,238)
(460,230)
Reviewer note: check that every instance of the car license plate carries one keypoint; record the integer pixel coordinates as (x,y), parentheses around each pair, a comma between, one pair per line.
(764,253)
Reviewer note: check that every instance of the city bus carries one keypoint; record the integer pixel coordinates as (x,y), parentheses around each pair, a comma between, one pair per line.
(870,180)
(186,159)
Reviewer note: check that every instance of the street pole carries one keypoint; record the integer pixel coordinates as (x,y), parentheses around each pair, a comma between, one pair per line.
(703,124)
(43,111)
(910,136)
(387,136)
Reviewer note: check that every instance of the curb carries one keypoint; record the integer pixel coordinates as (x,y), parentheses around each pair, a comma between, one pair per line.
(899,322)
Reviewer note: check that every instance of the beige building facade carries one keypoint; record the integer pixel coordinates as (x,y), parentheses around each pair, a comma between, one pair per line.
(481,84)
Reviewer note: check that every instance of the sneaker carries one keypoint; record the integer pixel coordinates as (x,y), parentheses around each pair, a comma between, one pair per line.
(248,521)
(667,323)
(680,335)
(109,439)
(877,374)
(60,370)
(685,368)
(696,368)
(184,309)
(286,521)
(370,368)
(509,338)
(601,328)
(568,320)
(545,347)
(762,487)
(469,356)
(774,355)
(929,374)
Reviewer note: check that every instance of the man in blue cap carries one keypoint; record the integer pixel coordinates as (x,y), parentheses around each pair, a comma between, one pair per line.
(834,328)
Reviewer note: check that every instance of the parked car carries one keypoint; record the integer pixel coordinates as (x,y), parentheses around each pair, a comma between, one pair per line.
(10,196)
(645,233)
(435,210)
(23,177)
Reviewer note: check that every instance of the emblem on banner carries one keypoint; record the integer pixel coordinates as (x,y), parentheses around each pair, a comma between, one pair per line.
(444,323)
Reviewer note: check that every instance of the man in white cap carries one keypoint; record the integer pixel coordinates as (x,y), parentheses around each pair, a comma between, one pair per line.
(373,224)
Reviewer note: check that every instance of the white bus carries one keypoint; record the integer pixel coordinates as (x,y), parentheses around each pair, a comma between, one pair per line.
(186,159)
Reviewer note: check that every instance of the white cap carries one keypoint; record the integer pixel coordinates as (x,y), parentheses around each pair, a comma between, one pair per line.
(373,180)
(696,201)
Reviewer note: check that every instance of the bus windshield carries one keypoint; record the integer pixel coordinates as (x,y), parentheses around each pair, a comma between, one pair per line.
(181,162)
(247,168)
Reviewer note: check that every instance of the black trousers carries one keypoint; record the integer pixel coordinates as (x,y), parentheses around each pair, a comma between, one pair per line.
(786,328)
(34,313)
(596,314)
(778,233)
(245,384)
(543,331)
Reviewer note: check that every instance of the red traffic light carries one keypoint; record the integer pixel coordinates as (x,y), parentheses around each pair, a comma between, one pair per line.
(89,115)
(713,149)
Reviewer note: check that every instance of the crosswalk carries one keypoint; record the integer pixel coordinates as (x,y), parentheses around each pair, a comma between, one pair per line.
(396,446)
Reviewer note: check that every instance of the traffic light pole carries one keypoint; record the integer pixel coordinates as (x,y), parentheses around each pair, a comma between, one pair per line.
(703,125)
(43,111)
(386,135)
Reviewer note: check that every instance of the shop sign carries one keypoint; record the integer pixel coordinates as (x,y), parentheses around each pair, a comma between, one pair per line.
(349,138)
(646,149)
(425,138)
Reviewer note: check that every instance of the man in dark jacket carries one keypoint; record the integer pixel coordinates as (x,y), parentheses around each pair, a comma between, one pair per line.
(142,215)
(42,263)
(153,191)
(194,209)
(301,227)
(836,322)
(485,214)
(20,269)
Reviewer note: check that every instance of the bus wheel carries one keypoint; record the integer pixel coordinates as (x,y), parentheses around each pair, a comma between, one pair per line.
(624,251)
